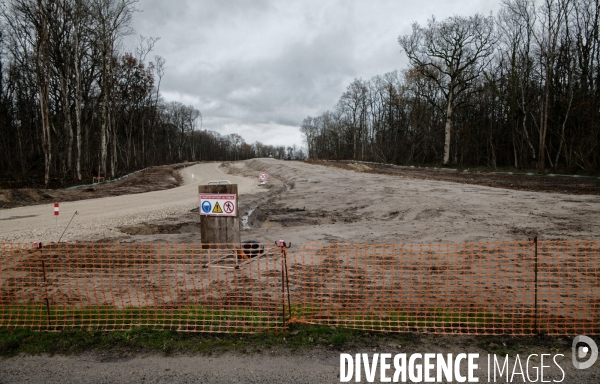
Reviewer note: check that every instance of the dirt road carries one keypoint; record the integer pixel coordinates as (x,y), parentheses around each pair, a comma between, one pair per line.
(100,218)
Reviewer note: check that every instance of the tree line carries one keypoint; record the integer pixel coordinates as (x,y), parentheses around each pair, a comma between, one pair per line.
(75,103)
(519,89)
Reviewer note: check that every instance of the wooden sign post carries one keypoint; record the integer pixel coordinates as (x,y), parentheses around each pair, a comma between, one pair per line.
(219,216)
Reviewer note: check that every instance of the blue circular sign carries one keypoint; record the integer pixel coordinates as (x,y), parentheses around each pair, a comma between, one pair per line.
(206,206)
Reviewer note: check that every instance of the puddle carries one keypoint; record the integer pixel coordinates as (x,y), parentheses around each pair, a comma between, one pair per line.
(245,218)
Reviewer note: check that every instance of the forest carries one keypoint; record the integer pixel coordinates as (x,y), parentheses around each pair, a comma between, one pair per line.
(75,103)
(515,90)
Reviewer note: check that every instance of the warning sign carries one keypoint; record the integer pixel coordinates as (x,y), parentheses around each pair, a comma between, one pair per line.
(228,207)
(218,204)
(217,208)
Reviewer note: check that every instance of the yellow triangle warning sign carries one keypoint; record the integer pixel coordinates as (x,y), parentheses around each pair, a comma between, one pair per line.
(217,208)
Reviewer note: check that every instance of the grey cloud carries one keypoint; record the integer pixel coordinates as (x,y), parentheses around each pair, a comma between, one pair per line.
(263,66)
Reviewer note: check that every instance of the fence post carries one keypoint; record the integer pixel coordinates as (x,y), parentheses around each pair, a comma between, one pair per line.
(535,247)
(46,292)
(219,229)
(283,295)
(287,281)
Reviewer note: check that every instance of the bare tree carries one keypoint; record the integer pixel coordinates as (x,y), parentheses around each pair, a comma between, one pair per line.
(554,15)
(309,130)
(160,72)
(43,78)
(515,24)
(452,53)
(113,22)
(72,100)
(79,22)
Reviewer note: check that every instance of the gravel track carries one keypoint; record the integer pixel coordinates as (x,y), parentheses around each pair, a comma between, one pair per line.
(98,219)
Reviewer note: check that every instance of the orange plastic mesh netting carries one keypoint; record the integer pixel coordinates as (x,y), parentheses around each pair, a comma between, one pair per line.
(511,288)
(480,288)
(119,286)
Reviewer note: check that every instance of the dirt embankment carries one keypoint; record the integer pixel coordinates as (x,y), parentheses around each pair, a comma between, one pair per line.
(518,181)
(148,180)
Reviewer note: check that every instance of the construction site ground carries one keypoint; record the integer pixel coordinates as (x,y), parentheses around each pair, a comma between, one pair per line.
(302,203)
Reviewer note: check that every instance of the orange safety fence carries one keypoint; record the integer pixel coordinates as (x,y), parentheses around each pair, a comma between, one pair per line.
(511,288)
(478,288)
(122,285)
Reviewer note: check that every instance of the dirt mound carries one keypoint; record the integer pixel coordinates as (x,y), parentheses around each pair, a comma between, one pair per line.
(148,180)
(521,182)
(360,167)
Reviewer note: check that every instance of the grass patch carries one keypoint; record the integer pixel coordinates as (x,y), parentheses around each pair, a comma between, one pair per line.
(142,340)
(195,329)
(146,340)
(435,319)
(191,318)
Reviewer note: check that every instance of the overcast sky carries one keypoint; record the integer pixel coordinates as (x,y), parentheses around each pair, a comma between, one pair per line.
(259,67)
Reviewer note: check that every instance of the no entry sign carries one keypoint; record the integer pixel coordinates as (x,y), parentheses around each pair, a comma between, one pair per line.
(218,204)
(55,209)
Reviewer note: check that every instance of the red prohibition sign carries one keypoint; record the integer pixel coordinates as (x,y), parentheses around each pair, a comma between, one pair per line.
(228,207)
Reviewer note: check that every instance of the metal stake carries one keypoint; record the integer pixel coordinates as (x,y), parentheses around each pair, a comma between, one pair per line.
(46,292)
(535,244)
(61,236)
(283,297)
(287,281)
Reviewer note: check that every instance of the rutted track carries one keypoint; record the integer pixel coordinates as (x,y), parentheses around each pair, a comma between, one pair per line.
(331,204)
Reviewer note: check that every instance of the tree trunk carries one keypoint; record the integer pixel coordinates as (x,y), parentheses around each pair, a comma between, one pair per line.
(102,154)
(104,121)
(544,125)
(43,75)
(64,88)
(562,133)
(514,144)
(448,129)
(78,103)
(113,152)
(21,152)
(129,143)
